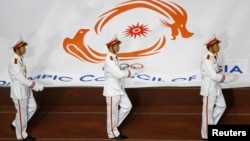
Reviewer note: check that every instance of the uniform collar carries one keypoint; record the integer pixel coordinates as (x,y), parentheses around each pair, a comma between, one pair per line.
(18,57)
(210,53)
(213,55)
(112,54)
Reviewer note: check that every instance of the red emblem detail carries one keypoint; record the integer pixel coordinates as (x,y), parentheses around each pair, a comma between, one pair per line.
(15,61)
(208,57)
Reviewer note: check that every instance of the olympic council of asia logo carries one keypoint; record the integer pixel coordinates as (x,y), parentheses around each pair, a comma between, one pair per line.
(169,10)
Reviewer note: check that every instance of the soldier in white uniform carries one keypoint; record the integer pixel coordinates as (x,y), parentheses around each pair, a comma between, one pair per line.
(118,102)
(21,92)
(214,103)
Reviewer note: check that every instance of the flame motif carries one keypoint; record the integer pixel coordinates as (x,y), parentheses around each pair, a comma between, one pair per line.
(173,11)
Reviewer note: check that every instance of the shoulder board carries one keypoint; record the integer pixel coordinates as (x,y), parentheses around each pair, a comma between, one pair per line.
(15,61)
(111,58)
(208,57)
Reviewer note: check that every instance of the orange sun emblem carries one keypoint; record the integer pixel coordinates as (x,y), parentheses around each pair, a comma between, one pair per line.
(136,30)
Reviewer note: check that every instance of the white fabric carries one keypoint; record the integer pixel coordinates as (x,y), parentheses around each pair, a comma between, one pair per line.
(67,39)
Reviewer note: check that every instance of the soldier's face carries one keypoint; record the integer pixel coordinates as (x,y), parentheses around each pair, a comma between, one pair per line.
(116,47)
(216,48)
(22,50)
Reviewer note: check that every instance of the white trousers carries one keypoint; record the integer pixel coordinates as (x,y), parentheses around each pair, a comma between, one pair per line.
(212,110)
(25,109)
(118,108)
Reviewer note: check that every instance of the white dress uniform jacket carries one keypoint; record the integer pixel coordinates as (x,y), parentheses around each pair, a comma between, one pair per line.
(21,86)
(114,75)
(211,76)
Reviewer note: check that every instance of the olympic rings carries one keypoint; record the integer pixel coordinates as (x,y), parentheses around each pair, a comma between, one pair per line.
(133,66)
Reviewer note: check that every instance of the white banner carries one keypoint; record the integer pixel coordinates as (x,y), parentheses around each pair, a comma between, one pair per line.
(67,39)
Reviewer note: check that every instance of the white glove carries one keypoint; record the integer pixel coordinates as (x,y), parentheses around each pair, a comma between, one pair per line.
(124,66)
(38,87)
